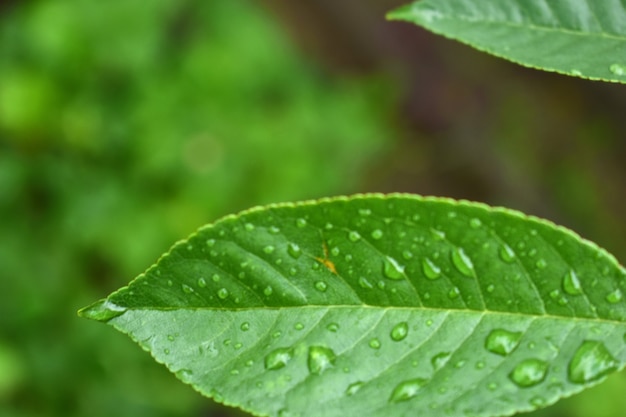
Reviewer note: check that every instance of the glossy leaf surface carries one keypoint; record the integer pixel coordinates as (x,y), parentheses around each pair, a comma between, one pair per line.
(583,38)
(380,305)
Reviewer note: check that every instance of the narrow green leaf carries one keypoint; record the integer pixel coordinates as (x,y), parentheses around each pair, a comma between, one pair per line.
(380,305)
(582,38)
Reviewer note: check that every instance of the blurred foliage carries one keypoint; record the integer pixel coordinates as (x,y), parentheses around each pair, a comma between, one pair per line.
(125,125)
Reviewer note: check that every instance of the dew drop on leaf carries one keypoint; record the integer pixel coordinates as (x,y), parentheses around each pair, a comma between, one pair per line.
(215,278)
(399,331)
(439,360)
(462,262)
(454,293)
(320,358)
(374,343)
(431,270)
(437,234)
(475,223)
(354,236)
(377,234)
(406,390)
(294,250)
(353,388)
(365,284)
(249,227)
(618,69)
(278,358)
(298,326)
(201,282)
(268,291)
(571,284)
(222,293)
(502,342)
(529,373)
(541,264)
(591,362)
(615,296)
(321,286)
(507,254)
(392,269)
(332,327)
(407,255)
(187,289)
(269,249)
(245,326)
(210,243)
(301,223)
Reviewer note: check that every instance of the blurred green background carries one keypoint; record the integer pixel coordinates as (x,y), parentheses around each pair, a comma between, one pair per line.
(126,124)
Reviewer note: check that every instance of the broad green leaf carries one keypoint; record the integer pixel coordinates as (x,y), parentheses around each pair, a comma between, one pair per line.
(380,305)
(583,38)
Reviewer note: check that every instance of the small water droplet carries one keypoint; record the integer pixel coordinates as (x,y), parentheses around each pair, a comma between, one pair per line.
(249,227)
(571,283)
(399,331)
(298,326)
(429,322)
(187,289)
(294,250)
(615,296)
(502,342)
(529,373)
(377,234)
(277,334)
(440,360)
(238,346)
(354,236)
(268,291)
(166,351)
(491,288)
(392,269)
(507,254)
(541,264)
(234,372)
(365,212)
(591,362)
(245,326)
(462,262)
(407,255)
(406,390)
(320,358)
(321,286)
(301,223)
(431,270)
(618,69)
(278,358)
(437,234)
(480,365)
(274,230)
(215,278)
(374,343)
(335,251)
(459,364)
(492,386)
(364,283)
(216,396)
(170,337)
(576,72)
(269,249)
(201,282)
(210,243)
(332,327)
(222,293)
(537,402)
(454,293)
(353,388)
(170,282)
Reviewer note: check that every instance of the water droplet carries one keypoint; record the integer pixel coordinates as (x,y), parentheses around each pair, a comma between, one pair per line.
(576,72)
(406,390)
(440,360)
(321,286)
(301,223)
(210,243)
(591,362)
(480,365)
(537,401)
(392,269)
(365,212)
(353,388)
(618,69)
(320,359)
(437,234)
(459,364)
(399,331)
(269,249)
(491,288)
(278,358)
(332,327)
(238,346)
(454,293)
(298,326)
(615,296)
(381,285)
(216,396)
(294,250)
(274,230)
(335,251)
(364,283)
(277,334)
(507,254)
(571,283)
(170,282)
(268,291)
(462,262)
(429,322)
(377,234)
(222,293)
(529,373)
(492,386)
(215,278)
(407,255)
(431,270)
(170,337)
(166,351)
(245,326)
(234,372)
(475,223)
(374,343)
(541,264)
(502,342)
(249,227)
(201,282)
(354,236)
(187,289)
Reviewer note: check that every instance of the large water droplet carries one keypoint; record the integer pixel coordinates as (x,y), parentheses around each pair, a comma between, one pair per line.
(502,342)
(591,362)
(462,262)
(222,293)
(353,388)
(354,236)
(571,283)
(615,296)
(507,254)
(399,331)
(529,373)
(377,234)
(618,69)
(440,359)
(431,270)
(392,269)
(406,390)
(278,358)
(294,250)
(320,359)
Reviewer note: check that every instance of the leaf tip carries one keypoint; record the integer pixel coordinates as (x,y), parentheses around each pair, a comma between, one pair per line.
(102,310)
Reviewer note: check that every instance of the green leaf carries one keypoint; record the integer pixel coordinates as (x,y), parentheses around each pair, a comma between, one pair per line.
(583,38)
(380,305)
